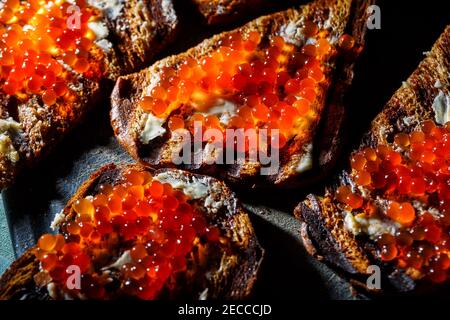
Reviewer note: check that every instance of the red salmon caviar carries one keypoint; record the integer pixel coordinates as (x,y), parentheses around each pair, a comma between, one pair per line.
(323,47)
(401,212)
(150,221)
(345,195)
(346,42)
(412,173)
(254,74)
(389,252)
(37,39)
(310,29)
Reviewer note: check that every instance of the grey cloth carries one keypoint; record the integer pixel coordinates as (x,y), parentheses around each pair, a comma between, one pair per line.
(6,249)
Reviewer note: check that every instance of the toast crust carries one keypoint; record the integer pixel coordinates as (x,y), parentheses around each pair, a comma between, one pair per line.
(337,16)
(232,273)
(323,219)
(412,103)
(138,33)
(226,11)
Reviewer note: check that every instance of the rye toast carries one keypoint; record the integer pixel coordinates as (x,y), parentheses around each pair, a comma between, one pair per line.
(226,271)
(127,37)
(335,18)
(325,231)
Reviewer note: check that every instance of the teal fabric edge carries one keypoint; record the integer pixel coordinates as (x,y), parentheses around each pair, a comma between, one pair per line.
(6,247)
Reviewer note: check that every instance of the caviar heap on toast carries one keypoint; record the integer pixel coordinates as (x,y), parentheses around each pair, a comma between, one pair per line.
(392,208)
(411,181)
(255,79)
(274,73)
(145,236)
(42,52)
(151,225)
(54,57)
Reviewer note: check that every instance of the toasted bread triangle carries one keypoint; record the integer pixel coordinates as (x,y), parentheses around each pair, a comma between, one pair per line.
(324,231)
(227,273)
(336,17)
(135,32)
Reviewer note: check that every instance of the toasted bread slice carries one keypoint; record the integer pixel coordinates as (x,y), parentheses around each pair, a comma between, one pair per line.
(308,154)
(126,35)
(225,268)
(328,229)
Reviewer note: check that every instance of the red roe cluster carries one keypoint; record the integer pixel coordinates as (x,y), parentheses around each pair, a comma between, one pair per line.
(35,39)
(154,222)
(274,84)
(415,168)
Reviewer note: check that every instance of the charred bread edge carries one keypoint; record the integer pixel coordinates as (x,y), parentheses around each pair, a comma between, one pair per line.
(317,233)
(126,92)
(17,281)
(331,127)
(157,24)
(226,11)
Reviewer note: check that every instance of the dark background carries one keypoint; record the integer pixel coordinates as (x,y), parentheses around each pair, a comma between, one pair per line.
(407,30)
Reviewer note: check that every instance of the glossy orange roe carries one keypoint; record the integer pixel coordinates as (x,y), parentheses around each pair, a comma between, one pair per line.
(274,84)
(415,168)
(34,42)
(153,222)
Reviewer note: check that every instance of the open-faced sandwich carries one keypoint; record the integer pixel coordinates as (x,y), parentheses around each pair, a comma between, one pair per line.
(260,105)
(131,233)
(392,208)
(55,56)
